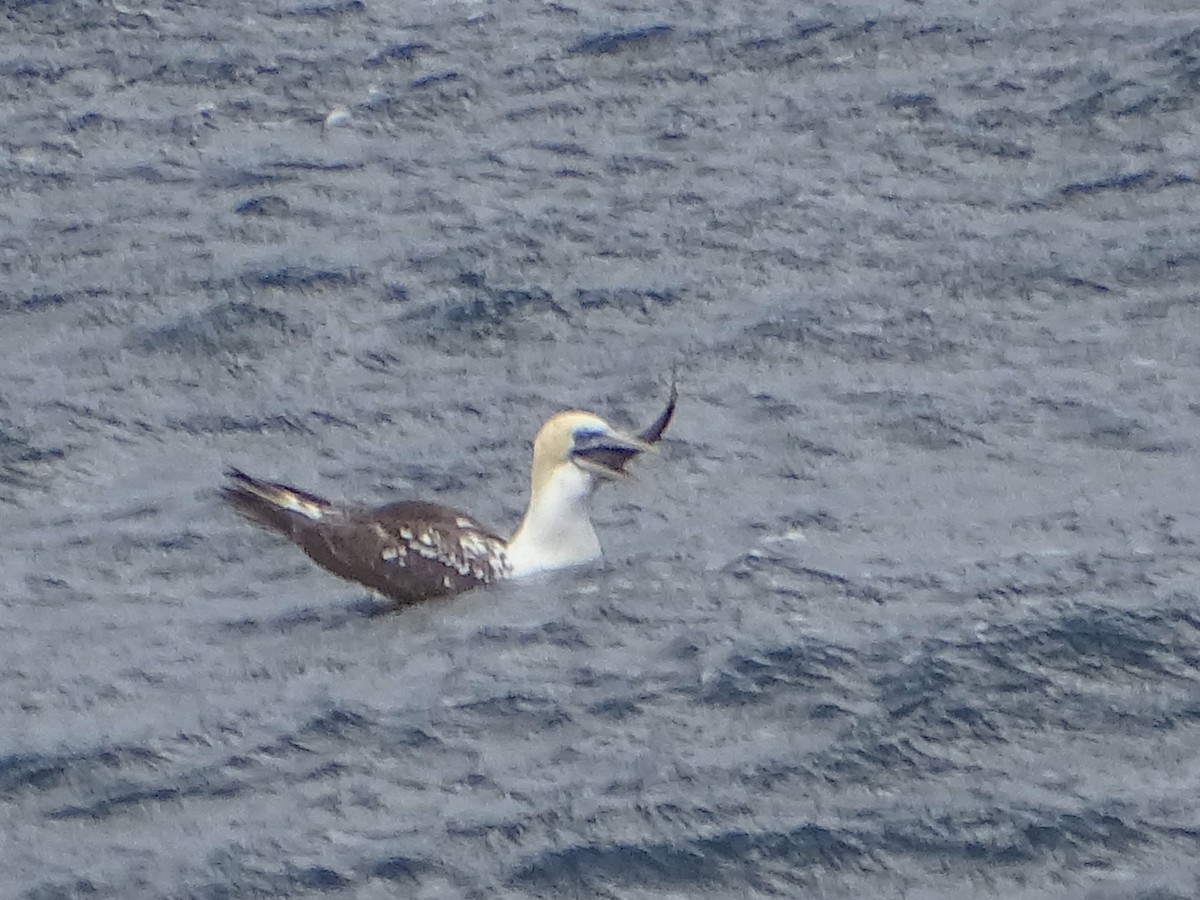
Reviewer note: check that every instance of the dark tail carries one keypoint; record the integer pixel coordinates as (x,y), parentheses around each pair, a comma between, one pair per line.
(279,507)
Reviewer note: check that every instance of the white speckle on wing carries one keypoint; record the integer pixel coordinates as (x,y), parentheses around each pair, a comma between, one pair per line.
(460,548)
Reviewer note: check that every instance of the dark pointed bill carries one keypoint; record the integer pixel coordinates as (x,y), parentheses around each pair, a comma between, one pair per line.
(607,454)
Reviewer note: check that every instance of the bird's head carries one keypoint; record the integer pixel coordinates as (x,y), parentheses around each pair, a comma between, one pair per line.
(579,447)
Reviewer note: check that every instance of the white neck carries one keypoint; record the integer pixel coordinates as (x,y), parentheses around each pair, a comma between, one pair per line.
(556,531)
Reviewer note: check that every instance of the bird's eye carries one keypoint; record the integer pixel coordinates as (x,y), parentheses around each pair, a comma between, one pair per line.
(587,432)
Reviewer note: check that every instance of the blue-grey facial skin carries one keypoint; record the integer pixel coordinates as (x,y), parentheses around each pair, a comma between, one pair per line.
(904,602)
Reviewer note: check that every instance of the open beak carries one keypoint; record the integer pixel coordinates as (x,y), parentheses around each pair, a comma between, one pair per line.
(607,454)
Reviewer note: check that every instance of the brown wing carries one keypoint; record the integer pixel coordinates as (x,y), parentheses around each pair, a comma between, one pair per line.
(409,551)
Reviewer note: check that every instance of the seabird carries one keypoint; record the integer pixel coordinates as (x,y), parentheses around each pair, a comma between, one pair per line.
(414,550)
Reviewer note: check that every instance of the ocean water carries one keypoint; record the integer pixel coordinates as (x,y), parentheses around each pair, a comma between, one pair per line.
(907,604)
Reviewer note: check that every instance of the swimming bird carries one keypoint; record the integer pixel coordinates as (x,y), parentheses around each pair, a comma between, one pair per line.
(415,550)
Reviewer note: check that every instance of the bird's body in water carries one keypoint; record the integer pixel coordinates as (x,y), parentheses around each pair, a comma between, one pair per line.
(415,550)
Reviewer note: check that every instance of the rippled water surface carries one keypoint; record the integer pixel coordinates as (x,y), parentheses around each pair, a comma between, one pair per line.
(906,606)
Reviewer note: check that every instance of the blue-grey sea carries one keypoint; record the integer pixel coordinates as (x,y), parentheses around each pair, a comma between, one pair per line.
(906,606)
